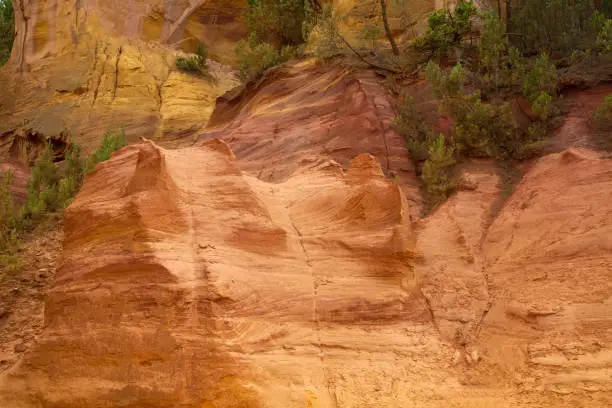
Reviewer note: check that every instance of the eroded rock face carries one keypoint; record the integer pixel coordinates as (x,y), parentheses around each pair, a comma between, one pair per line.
(80,67)
(200,286)
(187,282)
(549,266)
(302,113)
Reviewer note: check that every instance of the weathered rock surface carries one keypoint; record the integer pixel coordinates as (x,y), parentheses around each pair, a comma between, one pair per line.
(200,285)
(80,67)
(354,15)
(526,294)
(549,268)
(302,113)
(185,282)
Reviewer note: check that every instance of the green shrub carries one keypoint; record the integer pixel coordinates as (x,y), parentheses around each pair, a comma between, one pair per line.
(481,129)
(602,115)
(279,22)
(196,63)
(7,210)
(10,263)
(493,53)
(370,33)
(411,126)
(541,77)
(445,86)
(559,26)
(324,39)
(111,142)
(437,169)
(74,165)
(447,29)
(43,185)
(542,106)
(254,61)
(604,37)
(7,30)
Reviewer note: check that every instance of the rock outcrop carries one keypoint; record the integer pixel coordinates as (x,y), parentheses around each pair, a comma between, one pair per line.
(301,113)
(280,261)
(80,67)
(549,268)
(200,285)
(186,282)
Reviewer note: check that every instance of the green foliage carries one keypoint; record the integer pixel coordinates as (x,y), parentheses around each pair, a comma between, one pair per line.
(111,142)
(560,26)
(277,28)
(10,263)
(604,37)
(493,52)
(542,106)
(437,169)
(7,210)
(196,63)
(481,129)
(255,60)
(445,86)
(541,77)
(411,126)
(324,38)
(370,33)
(603,113)
(279,22)
(74,171)
(7,30)
(43,185)
(432,155)
(447,29)
(50,188)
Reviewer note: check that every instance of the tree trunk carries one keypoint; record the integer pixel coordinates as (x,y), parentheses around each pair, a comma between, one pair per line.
(508,16)
(383,7)
(188,12)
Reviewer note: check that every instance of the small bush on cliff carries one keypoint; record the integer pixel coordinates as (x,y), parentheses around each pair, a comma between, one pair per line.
(447,29)
(7,210)
(541,77)
(43,186)
(604,38)
(50,189)
(601,119)
(255,59)
(437,169)
(433,156)
(411,126)
(74,170)
(111,142)
(278,30)
(324,38)
(279,22)
(196,63)
(602,115)
(558,26)
(7,30)
(483,129)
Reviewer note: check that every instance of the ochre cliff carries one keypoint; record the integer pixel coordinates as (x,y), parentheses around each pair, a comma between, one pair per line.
(302,112)
(201,286)
(281,261)
(186,282)
(80,67)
